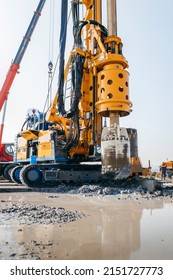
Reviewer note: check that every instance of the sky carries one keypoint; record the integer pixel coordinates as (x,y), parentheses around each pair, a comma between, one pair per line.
(145,28)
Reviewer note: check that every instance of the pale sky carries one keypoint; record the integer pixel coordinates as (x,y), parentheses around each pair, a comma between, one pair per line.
(145,28)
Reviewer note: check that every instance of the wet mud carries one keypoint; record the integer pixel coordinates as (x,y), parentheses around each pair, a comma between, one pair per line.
(88,222)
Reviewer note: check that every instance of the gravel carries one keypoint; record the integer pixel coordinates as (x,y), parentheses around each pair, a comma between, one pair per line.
(127,189)
(31,214)
(42,214)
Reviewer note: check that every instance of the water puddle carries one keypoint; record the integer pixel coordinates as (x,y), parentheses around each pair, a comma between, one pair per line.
(111,229)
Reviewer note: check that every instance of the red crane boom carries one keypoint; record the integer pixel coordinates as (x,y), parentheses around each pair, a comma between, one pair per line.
(16,63)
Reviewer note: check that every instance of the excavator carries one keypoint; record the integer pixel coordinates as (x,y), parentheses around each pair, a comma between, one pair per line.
(7,149)
(79,137)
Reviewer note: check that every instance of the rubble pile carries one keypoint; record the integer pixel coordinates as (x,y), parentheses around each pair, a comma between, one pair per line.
(127,189)
(34,214)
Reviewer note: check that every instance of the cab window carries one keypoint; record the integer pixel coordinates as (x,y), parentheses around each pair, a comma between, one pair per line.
(9,149)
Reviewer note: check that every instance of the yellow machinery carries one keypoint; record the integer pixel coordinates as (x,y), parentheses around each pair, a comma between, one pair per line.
(80,137)
(169,168)
(169,164)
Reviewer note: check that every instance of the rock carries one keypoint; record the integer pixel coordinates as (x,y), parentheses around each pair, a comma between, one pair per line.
(13,255)
(31,214)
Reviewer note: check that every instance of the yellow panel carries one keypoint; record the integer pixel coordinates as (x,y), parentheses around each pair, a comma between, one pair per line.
(45,150)
(22,149)
(28,134)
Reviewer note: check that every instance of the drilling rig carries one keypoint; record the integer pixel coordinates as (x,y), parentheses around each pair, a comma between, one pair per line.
(80,137)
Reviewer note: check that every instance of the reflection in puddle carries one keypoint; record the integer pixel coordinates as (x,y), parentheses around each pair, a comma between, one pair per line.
(156,234)
(113,229)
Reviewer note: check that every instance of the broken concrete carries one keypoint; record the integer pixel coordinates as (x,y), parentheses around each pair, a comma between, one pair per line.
(33,214)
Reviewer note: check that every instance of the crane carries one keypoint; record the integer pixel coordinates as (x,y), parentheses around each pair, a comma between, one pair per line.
(82,139)
(6,150)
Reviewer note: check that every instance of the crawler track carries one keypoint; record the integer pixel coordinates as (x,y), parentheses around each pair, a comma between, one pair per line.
(51,175)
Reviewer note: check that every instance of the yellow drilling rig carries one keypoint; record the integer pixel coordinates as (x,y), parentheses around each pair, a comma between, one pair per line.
(79,138)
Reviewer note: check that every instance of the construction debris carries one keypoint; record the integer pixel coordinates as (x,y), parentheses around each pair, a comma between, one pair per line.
(33,214)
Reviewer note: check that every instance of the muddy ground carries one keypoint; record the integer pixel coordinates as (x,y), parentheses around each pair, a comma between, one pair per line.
(109,221)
